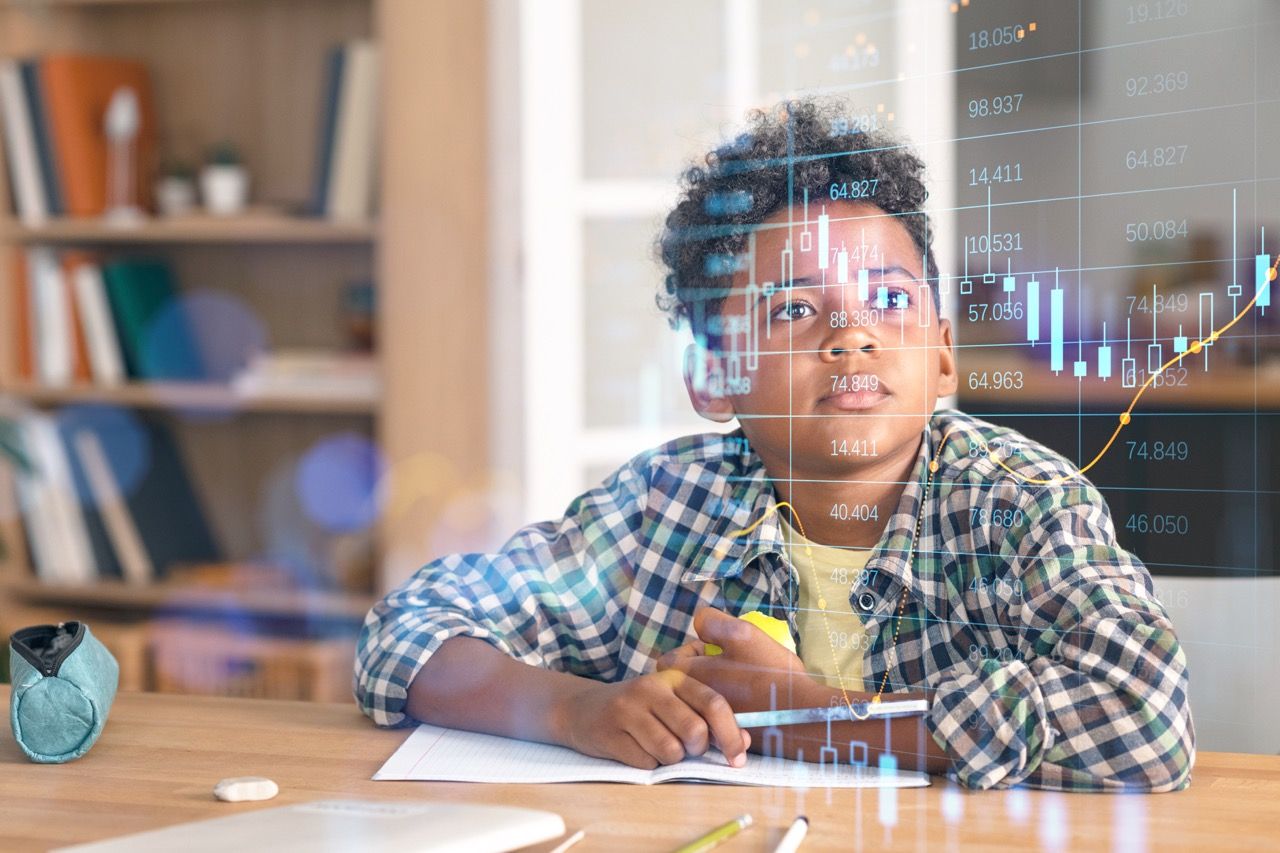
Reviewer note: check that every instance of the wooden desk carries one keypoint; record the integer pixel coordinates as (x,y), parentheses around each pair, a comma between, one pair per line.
(160,756)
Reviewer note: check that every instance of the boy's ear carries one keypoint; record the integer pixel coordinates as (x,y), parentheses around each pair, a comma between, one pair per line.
(704,380)
(948,371)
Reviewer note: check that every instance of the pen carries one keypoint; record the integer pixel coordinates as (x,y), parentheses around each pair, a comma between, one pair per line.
(715,836)
(570,841)
(859,711)
(790,842)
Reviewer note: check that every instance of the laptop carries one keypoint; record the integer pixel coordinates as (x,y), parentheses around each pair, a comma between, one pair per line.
(350,825)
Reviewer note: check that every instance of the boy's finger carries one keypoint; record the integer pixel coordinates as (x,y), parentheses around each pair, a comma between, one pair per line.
(725,678)
(629,751)
(691,649)
(715,709)
(683,722)
(716,626)
(657,739)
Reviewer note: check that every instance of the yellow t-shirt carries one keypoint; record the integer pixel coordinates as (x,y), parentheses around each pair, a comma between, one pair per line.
(831,648)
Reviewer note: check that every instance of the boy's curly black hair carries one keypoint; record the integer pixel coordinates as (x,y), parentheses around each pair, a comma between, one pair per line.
(800,145)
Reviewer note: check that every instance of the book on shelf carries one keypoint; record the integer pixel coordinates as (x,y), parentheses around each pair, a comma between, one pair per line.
(14,559)
(152,326)
(309,373)
(78,320)
(26,178)
(120,543)
(53,108)
(344,185)
(93,510)
(72,262)
(56,530)
(106,360)
(50,178)
(328,123)
(23,340)
(51,320)
(77,90)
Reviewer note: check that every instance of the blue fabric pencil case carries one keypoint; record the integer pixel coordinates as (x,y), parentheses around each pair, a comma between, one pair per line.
(64,682)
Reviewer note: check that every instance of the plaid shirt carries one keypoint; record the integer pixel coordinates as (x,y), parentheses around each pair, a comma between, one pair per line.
(1051,660)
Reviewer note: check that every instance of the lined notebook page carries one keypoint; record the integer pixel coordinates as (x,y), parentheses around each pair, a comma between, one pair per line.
(434,754)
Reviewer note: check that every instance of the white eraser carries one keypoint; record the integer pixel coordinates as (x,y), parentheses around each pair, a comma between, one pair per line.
(242,789)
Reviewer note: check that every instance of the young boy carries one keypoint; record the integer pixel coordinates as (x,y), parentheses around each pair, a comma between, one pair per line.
(912,553)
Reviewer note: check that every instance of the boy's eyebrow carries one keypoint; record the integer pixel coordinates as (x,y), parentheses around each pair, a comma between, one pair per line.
(776,287)
(894,268)
(810,281)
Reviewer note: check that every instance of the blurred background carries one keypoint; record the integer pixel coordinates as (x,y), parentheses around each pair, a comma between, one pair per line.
(299,294)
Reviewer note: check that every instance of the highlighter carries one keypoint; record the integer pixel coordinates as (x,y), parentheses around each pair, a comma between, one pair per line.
(777,629)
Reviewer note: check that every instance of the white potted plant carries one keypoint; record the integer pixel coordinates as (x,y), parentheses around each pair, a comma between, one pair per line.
(224,181)
(176,190)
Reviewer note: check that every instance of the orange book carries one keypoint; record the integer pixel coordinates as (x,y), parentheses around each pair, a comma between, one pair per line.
(77,90)
(71,261)
(25,360)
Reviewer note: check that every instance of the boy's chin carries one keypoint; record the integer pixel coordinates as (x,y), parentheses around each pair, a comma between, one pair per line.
(832,451)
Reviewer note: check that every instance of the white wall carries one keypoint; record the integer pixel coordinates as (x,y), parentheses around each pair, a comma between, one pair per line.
(1228,629)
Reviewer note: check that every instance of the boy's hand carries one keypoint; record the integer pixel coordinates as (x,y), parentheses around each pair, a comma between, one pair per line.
(750,663)
(655,719)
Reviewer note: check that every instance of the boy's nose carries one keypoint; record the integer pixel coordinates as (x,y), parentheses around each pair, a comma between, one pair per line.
(835,352)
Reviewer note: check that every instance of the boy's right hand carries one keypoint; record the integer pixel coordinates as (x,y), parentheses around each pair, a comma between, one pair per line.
(654,719)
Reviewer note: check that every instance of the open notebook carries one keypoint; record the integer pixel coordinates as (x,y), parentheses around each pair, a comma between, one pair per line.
(434,754)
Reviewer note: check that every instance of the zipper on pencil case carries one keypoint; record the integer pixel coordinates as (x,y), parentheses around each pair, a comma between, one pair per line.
(48,668)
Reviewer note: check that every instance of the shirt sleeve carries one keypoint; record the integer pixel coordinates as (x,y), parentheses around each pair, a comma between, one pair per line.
(1096,697)
(551,597)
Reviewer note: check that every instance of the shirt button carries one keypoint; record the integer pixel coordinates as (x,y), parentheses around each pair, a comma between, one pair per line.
(866,602)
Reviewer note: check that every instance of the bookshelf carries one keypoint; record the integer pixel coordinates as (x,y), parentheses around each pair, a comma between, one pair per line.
(257,227)
(251,71)
(192,396)
(182,597)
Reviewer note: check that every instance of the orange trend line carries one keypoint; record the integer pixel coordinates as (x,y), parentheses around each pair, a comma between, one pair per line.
(1125,416)
(722,549)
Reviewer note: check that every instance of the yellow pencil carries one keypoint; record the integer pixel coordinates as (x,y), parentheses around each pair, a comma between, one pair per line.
(715,836)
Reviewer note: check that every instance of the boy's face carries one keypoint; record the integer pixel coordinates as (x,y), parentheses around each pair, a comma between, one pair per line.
(841,384)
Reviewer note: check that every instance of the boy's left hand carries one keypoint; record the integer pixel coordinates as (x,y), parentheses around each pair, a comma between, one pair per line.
(750,663)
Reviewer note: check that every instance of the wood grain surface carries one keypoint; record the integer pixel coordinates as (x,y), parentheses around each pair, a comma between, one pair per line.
(160,756)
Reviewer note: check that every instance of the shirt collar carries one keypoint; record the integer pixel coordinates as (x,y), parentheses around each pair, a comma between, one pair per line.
(724,552)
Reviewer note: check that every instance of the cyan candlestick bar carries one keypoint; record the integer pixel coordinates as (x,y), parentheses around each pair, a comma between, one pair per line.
(1262,276)
(824,236)
(1055,330)
(1033,310)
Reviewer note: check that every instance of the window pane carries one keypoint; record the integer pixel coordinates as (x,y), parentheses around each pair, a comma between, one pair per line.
(830,45)
(633,358)
(652,92)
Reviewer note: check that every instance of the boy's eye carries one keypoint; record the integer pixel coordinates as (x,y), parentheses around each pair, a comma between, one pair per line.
(899,298)
(794,310)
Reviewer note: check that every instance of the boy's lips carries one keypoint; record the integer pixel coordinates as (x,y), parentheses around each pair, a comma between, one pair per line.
(856,401)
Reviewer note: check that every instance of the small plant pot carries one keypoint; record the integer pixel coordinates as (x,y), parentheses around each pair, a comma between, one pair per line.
(225,189)
(175,196)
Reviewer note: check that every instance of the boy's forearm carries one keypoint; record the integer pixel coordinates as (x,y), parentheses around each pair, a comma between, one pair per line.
(469,684)
(908,738)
